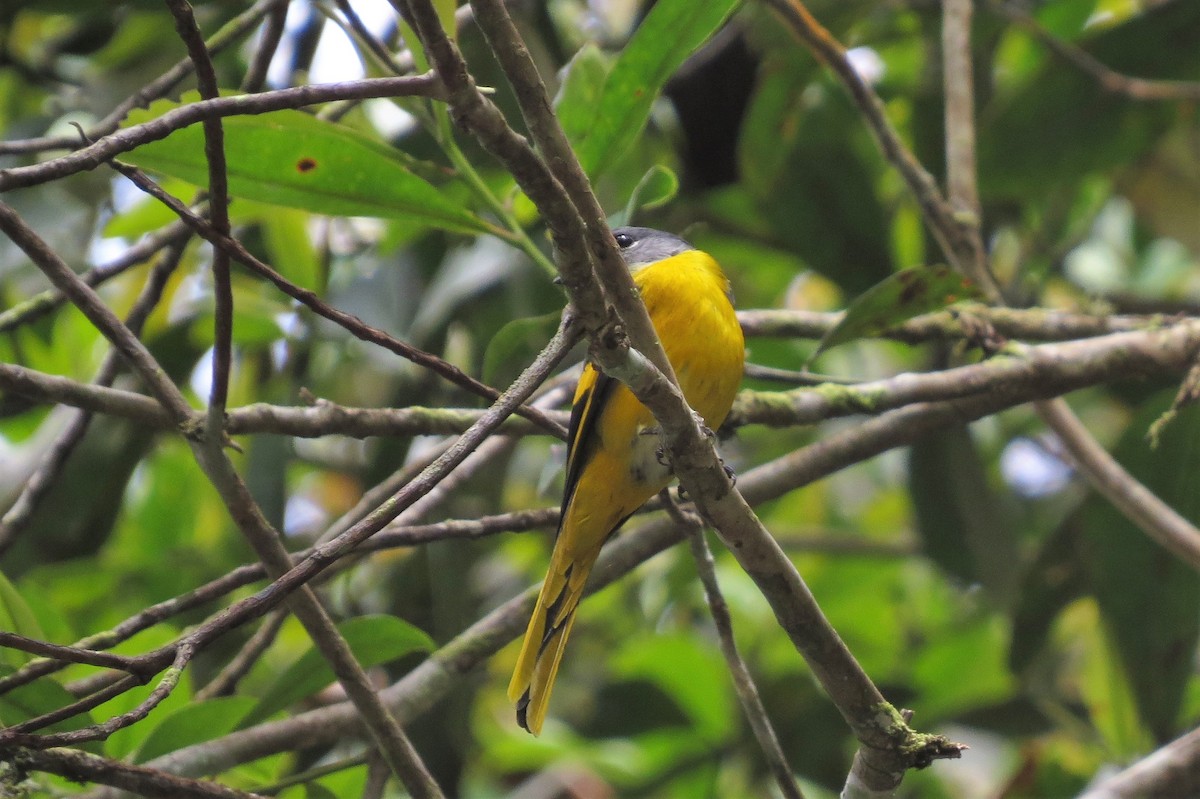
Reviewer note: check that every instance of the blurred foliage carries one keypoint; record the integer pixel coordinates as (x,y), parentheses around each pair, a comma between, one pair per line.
(1007,608)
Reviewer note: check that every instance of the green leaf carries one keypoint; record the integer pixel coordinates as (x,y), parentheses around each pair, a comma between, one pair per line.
(514,344)
(1056,578)
(978,648)
(1094,129)
(908,293)
(657,187)
(296,160)
(666,37)
(16,617)
(801,140)
(582,84)
(372,639)
(315,790)
(1149,599)
(701,690)
(962,525)
(193,724)
(37,698)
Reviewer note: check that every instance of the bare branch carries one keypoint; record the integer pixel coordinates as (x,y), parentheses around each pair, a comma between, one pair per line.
(239,666)
(67,654)
(81,767)
(218,212)
(1173,770)
(958,75)
(1038,324)
(1141,505)
(19,735)
(477,114)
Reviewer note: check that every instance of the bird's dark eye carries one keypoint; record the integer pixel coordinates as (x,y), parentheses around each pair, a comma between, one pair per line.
(624,240)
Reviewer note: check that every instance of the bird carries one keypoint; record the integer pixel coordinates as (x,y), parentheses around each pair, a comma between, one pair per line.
(614,456)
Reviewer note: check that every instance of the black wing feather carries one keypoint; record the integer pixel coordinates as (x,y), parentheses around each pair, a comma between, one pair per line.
(581,436)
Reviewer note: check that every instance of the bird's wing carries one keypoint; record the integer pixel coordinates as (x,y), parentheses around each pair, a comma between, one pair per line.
(591,396)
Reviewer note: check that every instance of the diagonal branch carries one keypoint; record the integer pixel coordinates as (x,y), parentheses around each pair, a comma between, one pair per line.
(954,238)
(1108,78)
(313,301)
(38,485)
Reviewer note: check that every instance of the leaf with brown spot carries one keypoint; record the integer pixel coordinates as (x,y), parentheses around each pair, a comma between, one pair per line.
(896,299)
(293,159)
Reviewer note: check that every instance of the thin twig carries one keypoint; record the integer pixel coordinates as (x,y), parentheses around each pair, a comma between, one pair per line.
(240,664)
(270,37)
(480,116)
(743,682)
(1107,78)
(67,654)
(939,216)
(82,767)
(218,214)
(39,305)
(1139,504)
(369,40)
(19,735)
(958,78)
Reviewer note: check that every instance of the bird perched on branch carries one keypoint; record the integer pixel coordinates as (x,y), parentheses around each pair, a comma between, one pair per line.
(614,461)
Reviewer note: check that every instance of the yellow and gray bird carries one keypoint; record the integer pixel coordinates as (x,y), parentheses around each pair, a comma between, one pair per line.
(614,461)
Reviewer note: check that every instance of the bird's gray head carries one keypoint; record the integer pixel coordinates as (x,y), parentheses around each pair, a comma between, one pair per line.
(643,245)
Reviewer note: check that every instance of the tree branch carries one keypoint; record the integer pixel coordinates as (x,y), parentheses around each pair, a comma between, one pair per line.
(81,767)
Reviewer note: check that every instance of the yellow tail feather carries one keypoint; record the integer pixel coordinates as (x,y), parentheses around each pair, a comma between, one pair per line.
(546,639)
